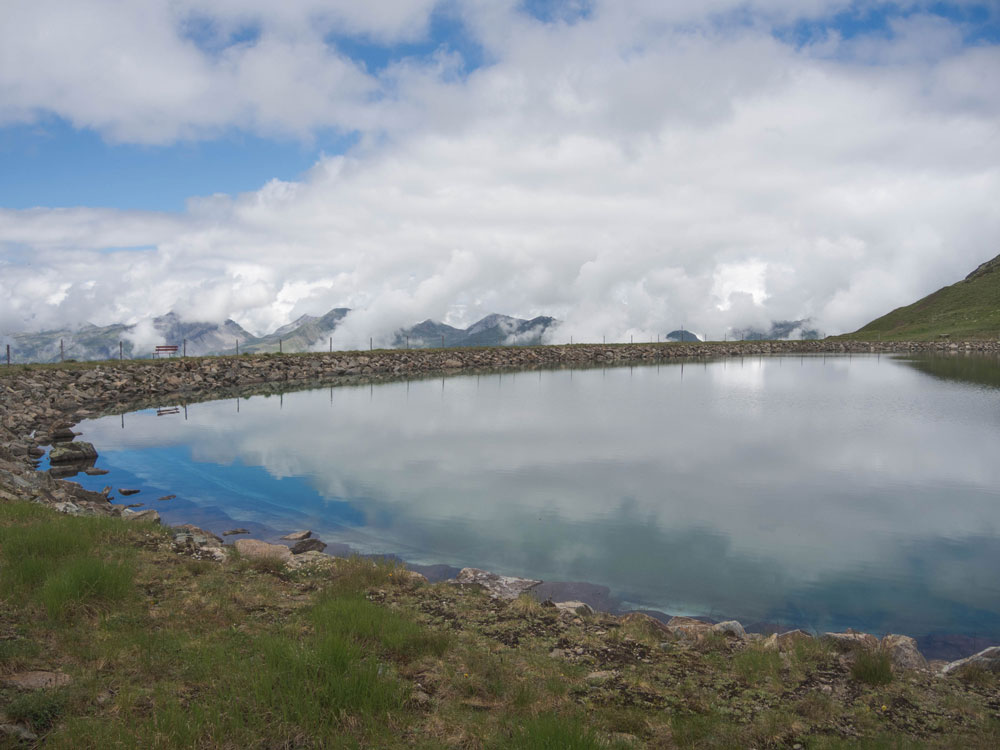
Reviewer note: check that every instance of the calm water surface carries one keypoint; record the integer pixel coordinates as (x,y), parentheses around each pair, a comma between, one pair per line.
(821,492)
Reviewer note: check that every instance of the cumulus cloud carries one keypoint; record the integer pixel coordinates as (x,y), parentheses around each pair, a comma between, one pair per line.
(626,167)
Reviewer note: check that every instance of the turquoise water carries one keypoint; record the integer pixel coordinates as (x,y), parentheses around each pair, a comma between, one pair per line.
(823,492)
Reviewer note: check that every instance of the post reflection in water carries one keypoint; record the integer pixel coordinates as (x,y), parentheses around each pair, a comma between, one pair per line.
(843,492)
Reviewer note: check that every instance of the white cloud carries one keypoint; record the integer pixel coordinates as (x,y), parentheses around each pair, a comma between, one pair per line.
(632,171)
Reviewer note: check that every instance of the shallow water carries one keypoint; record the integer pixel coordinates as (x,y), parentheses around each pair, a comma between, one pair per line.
(823,492)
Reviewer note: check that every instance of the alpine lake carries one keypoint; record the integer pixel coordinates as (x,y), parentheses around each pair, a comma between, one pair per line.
(821,492)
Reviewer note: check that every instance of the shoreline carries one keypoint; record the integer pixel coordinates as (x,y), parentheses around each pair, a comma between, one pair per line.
(42,400)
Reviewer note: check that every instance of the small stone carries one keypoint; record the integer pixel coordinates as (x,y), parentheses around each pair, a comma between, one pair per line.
(235,531)
(93,471)
(420,698)
(308,545)
(254,549)
(36,680)
(297,536)
(125,493)
(165,497)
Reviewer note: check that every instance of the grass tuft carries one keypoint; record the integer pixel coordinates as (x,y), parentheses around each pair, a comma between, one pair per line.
(872,667)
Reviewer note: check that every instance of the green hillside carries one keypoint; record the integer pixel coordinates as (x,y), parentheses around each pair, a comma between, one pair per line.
(969,309)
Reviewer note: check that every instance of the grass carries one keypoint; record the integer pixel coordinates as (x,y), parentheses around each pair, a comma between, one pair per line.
(872,667)
(169,652)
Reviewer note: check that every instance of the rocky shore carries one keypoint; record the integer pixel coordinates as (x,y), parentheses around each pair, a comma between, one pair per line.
(40,404)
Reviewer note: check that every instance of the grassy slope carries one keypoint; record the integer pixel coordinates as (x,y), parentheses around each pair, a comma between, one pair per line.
(169,652)
(969,309)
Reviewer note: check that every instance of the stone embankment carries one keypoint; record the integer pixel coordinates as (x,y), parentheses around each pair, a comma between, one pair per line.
(40,404)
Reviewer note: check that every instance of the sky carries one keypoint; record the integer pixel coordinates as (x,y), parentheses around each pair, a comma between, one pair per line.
(626,166)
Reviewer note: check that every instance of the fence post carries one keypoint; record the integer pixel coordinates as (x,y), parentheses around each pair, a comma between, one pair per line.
(121,352)
(407,342)
(184,353)
(331,345)
(8,355)
(237,354)
(279,346)
(62,352)
(371,343)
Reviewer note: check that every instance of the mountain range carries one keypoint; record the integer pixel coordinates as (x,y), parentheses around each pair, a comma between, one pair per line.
(90,342)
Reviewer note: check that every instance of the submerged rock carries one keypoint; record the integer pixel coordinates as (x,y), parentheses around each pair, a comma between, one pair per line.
(499,587)
(297,536)
(235,531)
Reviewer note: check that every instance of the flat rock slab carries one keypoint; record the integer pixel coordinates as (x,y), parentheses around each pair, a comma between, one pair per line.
(150,516)
(851,640)
(235,531)
(165,497)
(499,587)
(125,493)
(36,680)
(297,536)
(93,471)
(254,549)
(988,659)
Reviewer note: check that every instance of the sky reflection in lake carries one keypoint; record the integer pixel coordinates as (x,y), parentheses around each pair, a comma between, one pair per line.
(825,492)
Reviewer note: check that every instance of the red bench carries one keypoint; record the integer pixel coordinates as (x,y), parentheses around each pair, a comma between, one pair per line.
(165,349)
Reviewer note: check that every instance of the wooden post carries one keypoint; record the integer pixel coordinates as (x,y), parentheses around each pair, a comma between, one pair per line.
(331,345)
(371,343)
(8,355)
(62,351)
(237,354)
(184,354)
(121,352)
(279,346)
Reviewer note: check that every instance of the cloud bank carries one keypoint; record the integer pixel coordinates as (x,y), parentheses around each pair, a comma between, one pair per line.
(625,167)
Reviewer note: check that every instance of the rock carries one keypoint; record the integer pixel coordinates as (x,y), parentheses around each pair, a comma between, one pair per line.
(235,531)
(577,608)
(125,493)
(730,627)
(297,536)
(78,451)
(133,505)
(36,680)
(93,471)
(310,558)
(165,497)
(688,628)
(904,652)
(194,535)
(420,698)
(254,549)
(988,659)
(641,619)
(785,641)
(18,732)
(63,434)
(451,364)
(499,587)
(414,576)
(149,516)
(852,640)
(308,545)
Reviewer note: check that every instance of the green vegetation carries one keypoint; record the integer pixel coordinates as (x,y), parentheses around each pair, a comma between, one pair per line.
(165,651)
(872,667)
(968,309)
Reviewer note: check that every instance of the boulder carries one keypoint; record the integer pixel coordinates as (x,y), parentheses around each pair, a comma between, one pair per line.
(730,627)
(785,641)
(308,545)
(77,451)
(904,652)
(297,536)
(988,659)
(852,640)
(499,587)
(688,628)
(575,607)
(254,549)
